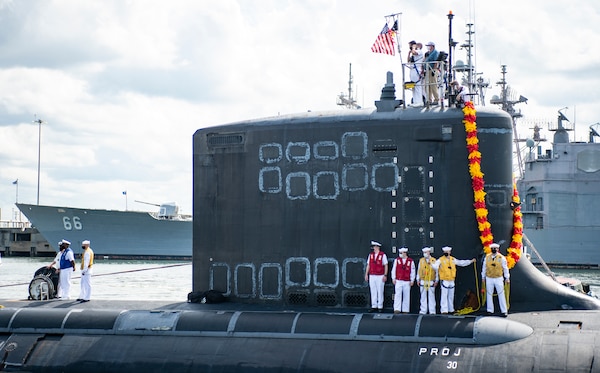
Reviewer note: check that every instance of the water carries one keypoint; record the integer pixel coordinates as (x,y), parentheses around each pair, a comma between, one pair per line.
(152,280)
(112,280)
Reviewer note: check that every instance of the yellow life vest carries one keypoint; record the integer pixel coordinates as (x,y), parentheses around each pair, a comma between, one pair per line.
(493,266)
(426,271)
(89,249)
(447,268)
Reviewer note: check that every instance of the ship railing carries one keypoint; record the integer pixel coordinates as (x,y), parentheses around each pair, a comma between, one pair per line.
(178,217)
(14,224)
(424,69)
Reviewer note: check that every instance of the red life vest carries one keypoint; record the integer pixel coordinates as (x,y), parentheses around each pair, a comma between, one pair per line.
(403,270)
(376,265)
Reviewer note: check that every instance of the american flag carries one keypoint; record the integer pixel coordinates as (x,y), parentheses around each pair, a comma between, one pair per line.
(385,42)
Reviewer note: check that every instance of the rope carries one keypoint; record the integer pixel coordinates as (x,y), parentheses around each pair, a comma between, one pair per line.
(480,296)
(468,310)
(111,273)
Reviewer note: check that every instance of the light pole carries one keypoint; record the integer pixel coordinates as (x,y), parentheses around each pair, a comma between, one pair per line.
(39,122)
(16,184)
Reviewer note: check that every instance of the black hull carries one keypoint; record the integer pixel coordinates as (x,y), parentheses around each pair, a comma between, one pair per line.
(201,338)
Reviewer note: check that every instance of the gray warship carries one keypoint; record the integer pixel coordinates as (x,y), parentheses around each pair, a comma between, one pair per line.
(165,234)
(560,190)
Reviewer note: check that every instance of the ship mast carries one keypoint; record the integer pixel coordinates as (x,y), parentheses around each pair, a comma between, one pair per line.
(348,101)
(475,87)
(508,105)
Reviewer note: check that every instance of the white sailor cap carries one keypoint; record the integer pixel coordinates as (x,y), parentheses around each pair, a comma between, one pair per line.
(494,245)
(63,241)
(446,249)
(403,250)
(375,243)
(85,242)
(427,249)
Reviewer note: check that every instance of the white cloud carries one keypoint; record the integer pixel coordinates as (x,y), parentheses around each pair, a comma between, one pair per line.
(123,85)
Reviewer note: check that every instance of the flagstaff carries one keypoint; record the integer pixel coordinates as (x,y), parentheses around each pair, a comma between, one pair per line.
(39,122)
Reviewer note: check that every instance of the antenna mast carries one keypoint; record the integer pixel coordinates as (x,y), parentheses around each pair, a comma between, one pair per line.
(348,101)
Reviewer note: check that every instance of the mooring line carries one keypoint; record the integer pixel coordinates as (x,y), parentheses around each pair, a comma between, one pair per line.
(111,273)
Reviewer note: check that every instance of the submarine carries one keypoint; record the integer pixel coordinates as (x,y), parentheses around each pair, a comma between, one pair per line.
(284,211)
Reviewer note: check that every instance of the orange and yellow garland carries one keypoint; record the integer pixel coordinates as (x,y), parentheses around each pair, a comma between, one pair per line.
(514,250)
(481,212)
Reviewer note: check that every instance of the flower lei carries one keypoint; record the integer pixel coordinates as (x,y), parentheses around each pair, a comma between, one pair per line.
(481,212)
(514,250)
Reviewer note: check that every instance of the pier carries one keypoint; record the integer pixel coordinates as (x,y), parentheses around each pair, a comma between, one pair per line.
(18,238)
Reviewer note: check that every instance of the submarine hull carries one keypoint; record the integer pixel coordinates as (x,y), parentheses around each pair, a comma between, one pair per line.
(200,339)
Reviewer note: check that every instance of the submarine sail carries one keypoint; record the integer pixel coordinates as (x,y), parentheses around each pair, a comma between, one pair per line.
(285,207)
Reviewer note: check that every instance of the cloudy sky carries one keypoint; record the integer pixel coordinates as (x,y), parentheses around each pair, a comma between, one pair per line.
(122,85)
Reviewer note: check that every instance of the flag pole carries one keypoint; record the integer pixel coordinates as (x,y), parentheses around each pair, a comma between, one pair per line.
(397,27)
(16,182)
(39,122)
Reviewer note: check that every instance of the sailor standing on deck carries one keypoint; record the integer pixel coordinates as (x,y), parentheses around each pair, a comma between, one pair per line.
(494,273)
(376,275)
(415,63)
(427,277)
(447,273)
(56,262)
(87,260)
(67,267)
(403,277)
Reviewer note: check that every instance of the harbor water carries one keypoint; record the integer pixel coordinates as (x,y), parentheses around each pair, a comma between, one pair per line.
(153,279)
(112,279)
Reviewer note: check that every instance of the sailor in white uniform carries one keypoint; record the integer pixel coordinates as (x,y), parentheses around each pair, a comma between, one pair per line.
(67,267)
(494,273)
(87,261)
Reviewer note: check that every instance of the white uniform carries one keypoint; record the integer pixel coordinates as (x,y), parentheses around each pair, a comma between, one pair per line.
(402,287)
(427,290)
(497,283)
(416,68)
(56,265)
(86,275)
(64,277)
(377,285)
(447,292)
